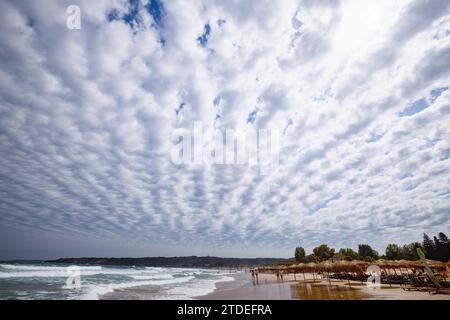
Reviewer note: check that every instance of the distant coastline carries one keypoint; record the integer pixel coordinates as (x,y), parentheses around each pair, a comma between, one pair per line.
(182,262)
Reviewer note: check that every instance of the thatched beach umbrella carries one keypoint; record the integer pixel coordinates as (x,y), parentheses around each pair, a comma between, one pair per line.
(348,268)
(312,268)
(296,268)
(343,267)
(326,267)
(302,268)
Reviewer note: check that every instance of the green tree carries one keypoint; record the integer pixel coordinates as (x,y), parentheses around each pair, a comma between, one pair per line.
(323,252)
(366,252)
(445,246)
(443,238)
(348,254)
(442,247)
(428,246)
(393,252)
(300,254)
(409,251)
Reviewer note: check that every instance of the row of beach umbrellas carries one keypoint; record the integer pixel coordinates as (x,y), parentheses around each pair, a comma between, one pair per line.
(355,266)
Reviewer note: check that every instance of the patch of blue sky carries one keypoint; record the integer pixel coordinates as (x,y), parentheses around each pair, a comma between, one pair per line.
(436,93)
(296,23)
(324,204)
(30,22)
(423,103)
(133,17)
(430,143)
(446,194)
(180,108)
(203,39)
(374,137)
(445,155)
(252,116)
(416,107)
(289,123)
(406,175)
(156,9)
(217,100)
(410,187)
(324,95)
(294,38)
(221,22)
(113,15)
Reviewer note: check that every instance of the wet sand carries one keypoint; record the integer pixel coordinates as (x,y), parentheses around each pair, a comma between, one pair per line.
(306,288)
(244,289)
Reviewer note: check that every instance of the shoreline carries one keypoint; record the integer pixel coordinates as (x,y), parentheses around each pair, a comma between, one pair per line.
(296,288)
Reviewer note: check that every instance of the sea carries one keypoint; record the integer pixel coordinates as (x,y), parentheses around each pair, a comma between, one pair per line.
(45,281)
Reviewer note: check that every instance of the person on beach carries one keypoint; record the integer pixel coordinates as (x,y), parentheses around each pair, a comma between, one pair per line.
(254,278)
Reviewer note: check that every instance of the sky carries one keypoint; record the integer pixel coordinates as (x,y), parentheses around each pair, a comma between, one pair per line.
(358,90)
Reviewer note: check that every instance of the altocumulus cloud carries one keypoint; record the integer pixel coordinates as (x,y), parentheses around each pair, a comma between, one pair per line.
(359,90)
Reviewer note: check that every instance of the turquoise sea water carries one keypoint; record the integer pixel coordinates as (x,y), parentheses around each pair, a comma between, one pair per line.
(49,281)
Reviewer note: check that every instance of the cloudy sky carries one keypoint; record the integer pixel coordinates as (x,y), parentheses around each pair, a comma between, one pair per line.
(358,89)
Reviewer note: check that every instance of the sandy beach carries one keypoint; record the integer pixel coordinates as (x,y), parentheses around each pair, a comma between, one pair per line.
(298,288)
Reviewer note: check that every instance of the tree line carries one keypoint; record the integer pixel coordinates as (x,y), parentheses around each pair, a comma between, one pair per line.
(436,249)
(177,262)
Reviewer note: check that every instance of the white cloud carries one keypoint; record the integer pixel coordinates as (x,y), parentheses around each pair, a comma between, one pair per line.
(87,117)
